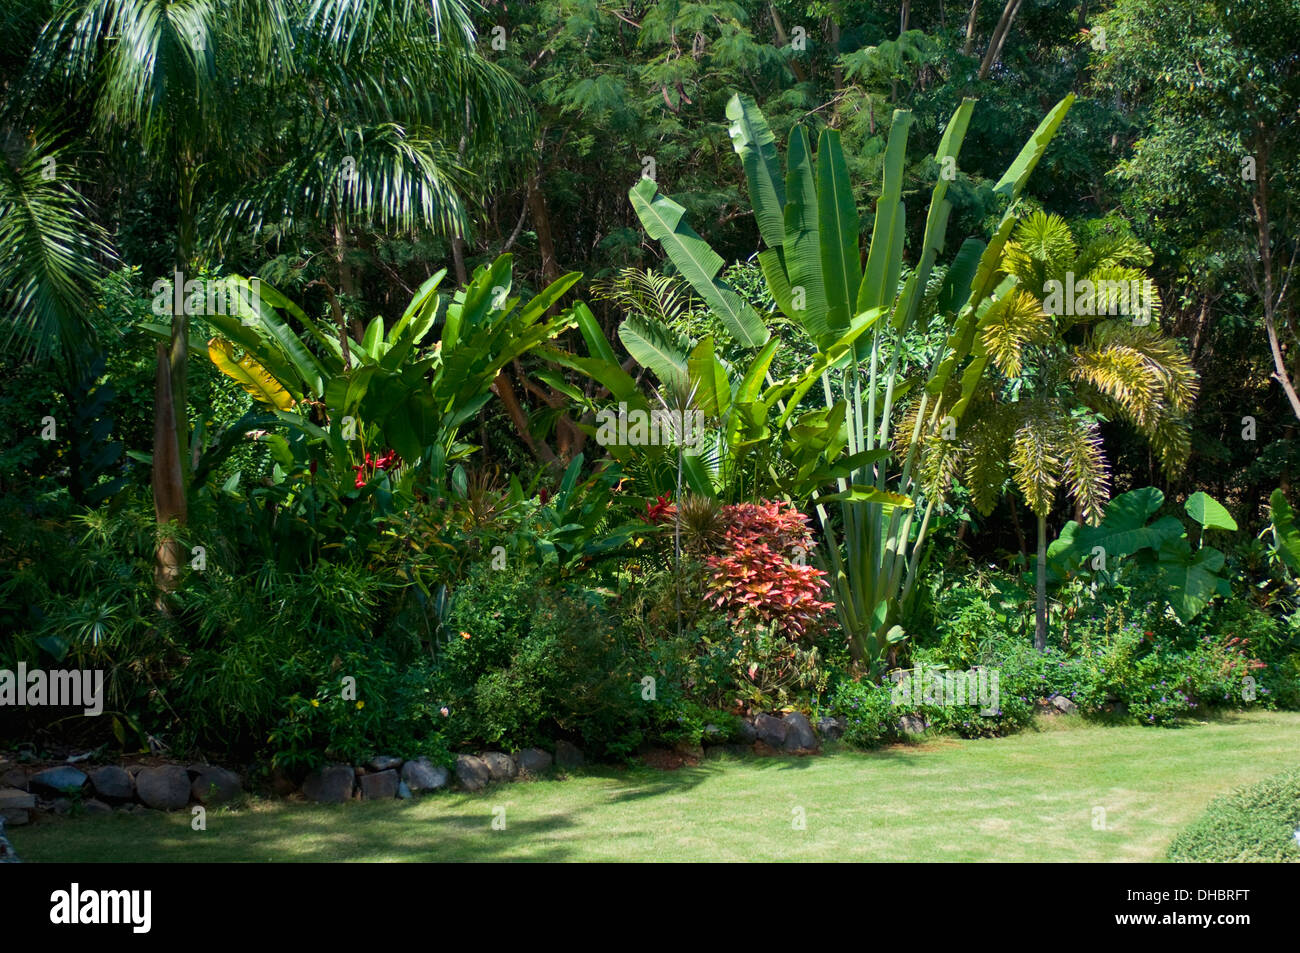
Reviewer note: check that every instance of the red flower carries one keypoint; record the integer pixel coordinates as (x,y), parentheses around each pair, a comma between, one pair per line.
(660,511)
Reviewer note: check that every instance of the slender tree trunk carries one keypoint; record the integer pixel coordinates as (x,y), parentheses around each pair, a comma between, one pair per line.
(970,28)
(1265,238)
(168,482)
(999,37)
(782,40)
(171,468)
(1040,589)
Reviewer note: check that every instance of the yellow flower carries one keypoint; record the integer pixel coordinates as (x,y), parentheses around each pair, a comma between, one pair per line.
(315,703)
(360,705)
(464,635)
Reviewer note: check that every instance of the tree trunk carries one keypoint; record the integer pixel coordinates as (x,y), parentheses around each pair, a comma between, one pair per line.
(970,28)
(999,37)
(168,481)
(1265,239)
(1040,589)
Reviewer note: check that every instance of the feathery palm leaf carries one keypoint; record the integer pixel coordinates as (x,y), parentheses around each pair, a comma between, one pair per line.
(53,251)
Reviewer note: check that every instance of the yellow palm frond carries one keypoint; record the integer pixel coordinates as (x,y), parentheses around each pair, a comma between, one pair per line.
(1086,474)
(1012,322)
(1036,459)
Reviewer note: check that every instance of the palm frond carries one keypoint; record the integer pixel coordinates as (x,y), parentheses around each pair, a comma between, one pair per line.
(1036,458)
(1085,471)
(1012,322)
(54,251)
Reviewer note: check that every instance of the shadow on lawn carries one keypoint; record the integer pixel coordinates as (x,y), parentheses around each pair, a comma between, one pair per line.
(305,833)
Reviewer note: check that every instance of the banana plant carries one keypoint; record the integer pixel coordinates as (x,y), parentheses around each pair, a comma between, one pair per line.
(813,268)
(389,389)
(751,445)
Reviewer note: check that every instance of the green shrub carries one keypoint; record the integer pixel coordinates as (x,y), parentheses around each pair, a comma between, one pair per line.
(869,714)
(1253,824)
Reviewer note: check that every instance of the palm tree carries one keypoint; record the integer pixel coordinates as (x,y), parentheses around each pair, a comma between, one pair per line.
(1062,367)
(181,86)
(54,251)
(372,127)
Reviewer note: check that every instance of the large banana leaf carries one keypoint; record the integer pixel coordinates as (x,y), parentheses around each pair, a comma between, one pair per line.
(698,263)
(248,374)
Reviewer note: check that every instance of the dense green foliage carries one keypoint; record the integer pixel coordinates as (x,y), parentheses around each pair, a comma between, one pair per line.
(1256,824)
(370,487)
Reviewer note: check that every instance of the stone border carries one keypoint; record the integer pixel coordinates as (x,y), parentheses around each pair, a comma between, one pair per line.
(107,789)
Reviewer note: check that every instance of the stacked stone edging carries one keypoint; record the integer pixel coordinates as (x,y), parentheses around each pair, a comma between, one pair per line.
(106,789)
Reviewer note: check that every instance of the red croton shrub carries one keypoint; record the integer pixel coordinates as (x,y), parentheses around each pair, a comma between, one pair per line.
(760,574)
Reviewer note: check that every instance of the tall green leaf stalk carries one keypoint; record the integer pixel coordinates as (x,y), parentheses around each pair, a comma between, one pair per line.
(813,268)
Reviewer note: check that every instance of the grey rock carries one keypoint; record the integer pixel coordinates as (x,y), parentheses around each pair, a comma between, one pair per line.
(329,785)
(799,735)
(385,762)
(771,730)
(533,761)
(748,733)
(56,780)
(422,775)
(62,806)
(568,755)
(472,772)
(1064,705)
(403,791)
(912,725)
(14,778)
(830,728)
(381,786)
(112,783)
(502,766)
(12,799)
(713,735)
(165,788)
(214,785)
(15,806)
(97,808)
(134,769)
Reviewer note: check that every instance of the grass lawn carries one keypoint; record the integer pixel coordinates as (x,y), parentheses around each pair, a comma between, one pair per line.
(1030,797)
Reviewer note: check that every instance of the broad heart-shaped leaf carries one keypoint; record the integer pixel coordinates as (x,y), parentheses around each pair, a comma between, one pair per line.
(1192,577)
(1209,512)
(249,375)
(1124,529)
(656,347)
(1286,538)
(754,143)
(1062,552)
(662,219)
